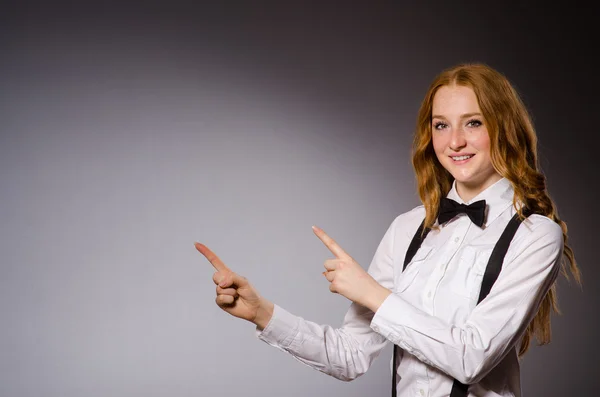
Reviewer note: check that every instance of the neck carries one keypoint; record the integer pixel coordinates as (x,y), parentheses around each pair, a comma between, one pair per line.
(467,191)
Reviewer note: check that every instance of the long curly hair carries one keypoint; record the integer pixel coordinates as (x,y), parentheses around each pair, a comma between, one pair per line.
(513,150)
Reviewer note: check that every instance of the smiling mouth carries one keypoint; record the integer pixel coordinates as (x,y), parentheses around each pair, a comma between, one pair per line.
(462,158)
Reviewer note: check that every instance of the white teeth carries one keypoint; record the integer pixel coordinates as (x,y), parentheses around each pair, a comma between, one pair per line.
(459,158)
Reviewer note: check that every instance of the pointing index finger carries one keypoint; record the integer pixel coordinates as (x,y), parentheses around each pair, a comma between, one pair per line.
(212,257)
(331,244)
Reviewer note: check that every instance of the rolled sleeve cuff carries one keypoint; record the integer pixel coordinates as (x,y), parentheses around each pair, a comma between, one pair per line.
(281,328)
(391,318)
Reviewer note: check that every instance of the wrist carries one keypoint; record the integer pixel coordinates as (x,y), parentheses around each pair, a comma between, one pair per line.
(376,298)
(263,314)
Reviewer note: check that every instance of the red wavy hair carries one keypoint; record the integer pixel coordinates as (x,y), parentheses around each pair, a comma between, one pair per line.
(513,151)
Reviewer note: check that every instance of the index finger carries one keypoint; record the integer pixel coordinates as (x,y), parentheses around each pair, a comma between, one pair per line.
(212,257)
(331,244)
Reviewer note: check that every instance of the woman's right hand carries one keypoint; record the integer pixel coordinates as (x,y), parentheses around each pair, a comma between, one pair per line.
(235,294)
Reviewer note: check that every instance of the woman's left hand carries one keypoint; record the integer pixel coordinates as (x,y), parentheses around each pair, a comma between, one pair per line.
(348,278)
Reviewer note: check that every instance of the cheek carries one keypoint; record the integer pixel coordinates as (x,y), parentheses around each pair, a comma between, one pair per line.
(481,142)
(482,145)
(438,144)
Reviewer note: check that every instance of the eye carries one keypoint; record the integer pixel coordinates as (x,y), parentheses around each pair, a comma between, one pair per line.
(474,123)
(438,125)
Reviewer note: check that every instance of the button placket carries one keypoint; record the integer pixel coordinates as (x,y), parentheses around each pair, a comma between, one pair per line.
(428,291)
(422,388)
(433,280)
(461,232)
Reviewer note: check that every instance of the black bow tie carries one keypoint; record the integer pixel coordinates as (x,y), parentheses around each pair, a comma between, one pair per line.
(450,208)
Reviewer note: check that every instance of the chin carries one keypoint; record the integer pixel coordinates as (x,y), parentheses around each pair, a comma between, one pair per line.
(465,179)
(470,181)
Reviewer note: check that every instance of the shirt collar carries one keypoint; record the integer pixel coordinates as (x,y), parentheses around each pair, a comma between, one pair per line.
(498,197)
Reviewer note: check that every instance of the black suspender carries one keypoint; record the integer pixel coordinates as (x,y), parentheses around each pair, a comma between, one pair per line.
(415,244)
(492,271)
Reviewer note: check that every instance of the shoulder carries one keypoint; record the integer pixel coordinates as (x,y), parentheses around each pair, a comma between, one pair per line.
(538,233)
(406,224)
(539,226)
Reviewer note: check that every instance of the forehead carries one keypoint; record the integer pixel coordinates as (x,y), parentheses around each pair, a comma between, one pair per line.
(454,99)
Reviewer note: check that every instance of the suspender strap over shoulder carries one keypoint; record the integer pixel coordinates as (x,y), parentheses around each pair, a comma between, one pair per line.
(492,271)
(415,244)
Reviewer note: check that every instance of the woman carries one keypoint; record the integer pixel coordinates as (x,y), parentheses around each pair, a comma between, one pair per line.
(459,330)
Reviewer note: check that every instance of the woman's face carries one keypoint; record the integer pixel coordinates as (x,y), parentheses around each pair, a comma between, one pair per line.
(461,141)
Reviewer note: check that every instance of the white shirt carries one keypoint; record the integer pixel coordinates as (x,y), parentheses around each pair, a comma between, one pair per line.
(432,314)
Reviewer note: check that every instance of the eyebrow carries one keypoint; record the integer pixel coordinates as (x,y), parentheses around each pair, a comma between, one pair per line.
(464,116)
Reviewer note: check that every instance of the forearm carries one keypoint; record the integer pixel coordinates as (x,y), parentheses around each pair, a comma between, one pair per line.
(344,353)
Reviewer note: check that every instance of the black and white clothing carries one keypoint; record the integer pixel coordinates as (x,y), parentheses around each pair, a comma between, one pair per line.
(432,314)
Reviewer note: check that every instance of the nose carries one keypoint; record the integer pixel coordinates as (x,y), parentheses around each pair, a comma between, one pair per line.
(457,139)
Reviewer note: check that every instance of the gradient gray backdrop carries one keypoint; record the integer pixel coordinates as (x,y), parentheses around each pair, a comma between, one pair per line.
(130,131)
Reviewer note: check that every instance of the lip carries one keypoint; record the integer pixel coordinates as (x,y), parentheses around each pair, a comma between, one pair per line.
(459,162)
(461,154)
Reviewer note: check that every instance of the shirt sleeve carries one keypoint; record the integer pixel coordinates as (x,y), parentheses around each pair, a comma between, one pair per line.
(495,325)
(346,352)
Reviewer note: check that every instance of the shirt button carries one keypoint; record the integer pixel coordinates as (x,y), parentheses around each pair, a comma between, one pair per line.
(456,240)
(429,294)
(422,392)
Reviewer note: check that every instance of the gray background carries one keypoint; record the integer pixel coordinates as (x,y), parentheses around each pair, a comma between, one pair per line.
(130,131)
